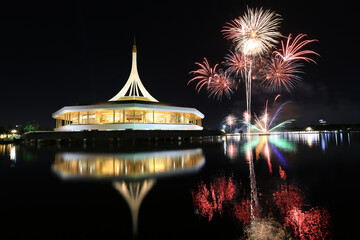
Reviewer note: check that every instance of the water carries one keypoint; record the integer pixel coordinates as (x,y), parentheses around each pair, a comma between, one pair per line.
(303,186)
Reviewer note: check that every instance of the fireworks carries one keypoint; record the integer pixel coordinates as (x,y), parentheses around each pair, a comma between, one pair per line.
(221,84)
(254,33)
(230,120)
(293,51)
(284,66)
(236,64)
(263,125)
(205,74)
(281,74)
(246,117)
(217,82)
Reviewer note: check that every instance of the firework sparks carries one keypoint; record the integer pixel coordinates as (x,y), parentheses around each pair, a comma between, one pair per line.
(205,74)
(221,84)
(217,82)
(277,96)
(254,33)
(263,125)
(230,120)
(282,74)
(292,51)
(236,64)
(246,117)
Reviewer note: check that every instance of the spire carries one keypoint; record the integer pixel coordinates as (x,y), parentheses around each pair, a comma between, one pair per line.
(133,88)
(134,45)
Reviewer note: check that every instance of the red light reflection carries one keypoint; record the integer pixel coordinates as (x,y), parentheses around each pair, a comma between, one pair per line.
(304,221)
(210,201)
(305,224)
(312,224)
(282,174)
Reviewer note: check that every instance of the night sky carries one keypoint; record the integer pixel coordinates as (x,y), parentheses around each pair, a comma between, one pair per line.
(60,53)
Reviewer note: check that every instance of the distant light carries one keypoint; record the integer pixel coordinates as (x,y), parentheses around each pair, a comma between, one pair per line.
(322,121)
(308,129)
(13,131)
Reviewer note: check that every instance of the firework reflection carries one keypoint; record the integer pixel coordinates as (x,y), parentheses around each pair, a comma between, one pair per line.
(278,212)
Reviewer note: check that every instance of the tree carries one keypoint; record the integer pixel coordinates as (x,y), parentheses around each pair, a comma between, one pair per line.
(31,126)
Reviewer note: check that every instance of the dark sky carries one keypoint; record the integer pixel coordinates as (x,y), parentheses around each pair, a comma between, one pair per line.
(59,53)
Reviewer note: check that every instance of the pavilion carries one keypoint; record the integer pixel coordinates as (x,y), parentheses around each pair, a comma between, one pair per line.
(132,108)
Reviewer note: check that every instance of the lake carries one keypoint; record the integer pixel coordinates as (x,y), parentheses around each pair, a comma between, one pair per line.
(281,186)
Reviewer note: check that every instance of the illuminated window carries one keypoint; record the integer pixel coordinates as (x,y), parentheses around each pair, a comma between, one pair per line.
(83,118)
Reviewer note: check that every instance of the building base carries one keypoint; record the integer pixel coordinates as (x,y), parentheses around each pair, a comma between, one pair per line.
(126,126)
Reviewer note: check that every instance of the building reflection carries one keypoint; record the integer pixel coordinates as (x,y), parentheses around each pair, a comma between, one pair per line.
(127,165)
(133,175)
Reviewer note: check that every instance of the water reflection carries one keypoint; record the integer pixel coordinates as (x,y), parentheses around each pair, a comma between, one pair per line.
(133,175)
(275,212)
(10,151)
(127,165)
(316,138)
(264,146)
(283,215)
(283,142)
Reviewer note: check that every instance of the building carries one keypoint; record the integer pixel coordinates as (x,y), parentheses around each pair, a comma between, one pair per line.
(132,108)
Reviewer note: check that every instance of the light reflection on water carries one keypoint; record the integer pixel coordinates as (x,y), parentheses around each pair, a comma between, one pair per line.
(133,174)
(10,151)
(286,141)
(127,165)
(253,181)
(286,212)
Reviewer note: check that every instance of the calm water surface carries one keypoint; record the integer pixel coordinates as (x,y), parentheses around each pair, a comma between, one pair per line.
(302,186)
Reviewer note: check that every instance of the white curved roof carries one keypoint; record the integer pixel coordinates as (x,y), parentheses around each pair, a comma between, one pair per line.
(124,106)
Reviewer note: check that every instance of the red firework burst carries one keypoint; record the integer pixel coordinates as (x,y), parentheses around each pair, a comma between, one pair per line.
(236,63)
(282,74)
(204,75)
(292,51)
(221,85)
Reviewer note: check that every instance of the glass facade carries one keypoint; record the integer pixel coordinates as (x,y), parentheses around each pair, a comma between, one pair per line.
(127,116)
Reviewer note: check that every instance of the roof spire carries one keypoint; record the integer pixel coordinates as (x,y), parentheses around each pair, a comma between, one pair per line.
(133,88)
(134,46)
